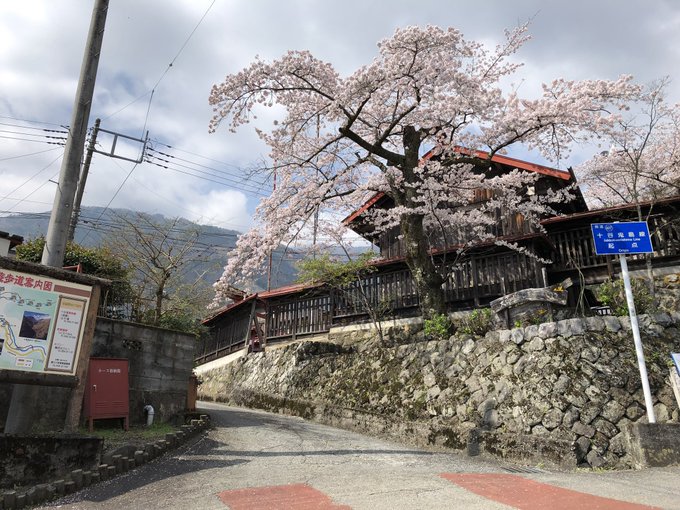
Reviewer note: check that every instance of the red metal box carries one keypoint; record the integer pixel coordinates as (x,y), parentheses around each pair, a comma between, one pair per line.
(107,391)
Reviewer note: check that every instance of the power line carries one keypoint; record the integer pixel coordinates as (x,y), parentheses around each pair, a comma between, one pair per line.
(35,128)
(159,195)
(230,175)
(51,137)
(36,141)
(164,72)
(29,154)
(33,121)
(195,154)
(115,194)
(30,179)
(34,191)
(176,204)
(227,181)
(206,178)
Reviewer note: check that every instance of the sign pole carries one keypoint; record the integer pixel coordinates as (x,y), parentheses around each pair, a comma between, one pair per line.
(636,338)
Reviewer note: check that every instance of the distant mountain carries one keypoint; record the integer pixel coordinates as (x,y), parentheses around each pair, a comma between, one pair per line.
(97,224)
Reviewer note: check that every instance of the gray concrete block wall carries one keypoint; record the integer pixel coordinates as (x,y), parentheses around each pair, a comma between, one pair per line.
(161,362)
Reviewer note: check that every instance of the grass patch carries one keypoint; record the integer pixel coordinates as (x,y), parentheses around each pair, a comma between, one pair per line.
(114,435)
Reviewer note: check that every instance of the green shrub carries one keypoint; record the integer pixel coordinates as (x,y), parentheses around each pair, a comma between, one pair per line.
(613,294)
(479,322)
(439,326)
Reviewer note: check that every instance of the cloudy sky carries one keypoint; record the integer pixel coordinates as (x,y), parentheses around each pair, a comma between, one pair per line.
(41,50)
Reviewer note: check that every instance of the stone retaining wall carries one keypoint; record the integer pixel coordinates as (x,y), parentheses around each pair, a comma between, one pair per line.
(563,391)
(30,459)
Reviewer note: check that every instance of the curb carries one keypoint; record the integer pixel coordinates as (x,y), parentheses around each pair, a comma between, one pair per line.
(115,465)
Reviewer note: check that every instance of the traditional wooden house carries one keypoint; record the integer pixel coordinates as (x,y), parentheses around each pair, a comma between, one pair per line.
(485,272)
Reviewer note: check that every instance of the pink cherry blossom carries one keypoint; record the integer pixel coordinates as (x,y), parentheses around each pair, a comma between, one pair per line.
(339,140)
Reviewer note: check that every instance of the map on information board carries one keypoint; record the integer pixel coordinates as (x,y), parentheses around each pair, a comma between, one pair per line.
(41,322)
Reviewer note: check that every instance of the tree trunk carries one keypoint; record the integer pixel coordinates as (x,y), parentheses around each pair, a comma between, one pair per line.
(427,279)
(159,305)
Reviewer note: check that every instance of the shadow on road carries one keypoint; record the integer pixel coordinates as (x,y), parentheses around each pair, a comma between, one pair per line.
(236,453)
(155,471)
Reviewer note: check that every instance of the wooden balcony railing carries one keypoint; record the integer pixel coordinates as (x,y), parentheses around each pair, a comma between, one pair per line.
(575,249)
(227,337)
(473,280)
(505,225)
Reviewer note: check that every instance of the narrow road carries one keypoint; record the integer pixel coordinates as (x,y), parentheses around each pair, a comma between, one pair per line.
(258,461)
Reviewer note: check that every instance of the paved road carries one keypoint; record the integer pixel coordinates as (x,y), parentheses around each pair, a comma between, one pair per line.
(258,461)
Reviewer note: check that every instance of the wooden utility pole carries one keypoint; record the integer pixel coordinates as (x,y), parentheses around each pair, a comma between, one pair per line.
(57,231)
(24,398)
(83,179)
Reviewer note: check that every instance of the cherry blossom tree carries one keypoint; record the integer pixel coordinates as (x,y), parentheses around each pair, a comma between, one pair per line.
(338,140)
(643,161)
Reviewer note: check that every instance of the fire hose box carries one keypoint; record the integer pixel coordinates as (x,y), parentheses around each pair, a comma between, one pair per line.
(107,390)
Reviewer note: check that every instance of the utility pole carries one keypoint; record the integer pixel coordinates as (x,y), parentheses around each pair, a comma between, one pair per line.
(83,179)
(20,416)
(269,269)
(57,232)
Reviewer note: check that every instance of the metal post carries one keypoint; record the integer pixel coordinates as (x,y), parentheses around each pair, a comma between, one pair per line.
(57,232)
(269,268)
(649,403)
(82,181)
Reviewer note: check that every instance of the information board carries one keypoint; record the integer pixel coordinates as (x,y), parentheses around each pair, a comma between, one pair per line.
(41,322)
(621,238)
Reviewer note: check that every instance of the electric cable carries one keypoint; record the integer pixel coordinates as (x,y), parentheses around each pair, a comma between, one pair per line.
(29,154)
(31,178)
(164,72)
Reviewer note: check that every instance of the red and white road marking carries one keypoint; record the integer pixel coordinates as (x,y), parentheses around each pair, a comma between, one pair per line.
(526,494)
(282,497)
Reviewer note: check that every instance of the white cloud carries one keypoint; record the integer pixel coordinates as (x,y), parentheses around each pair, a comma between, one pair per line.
(41,49)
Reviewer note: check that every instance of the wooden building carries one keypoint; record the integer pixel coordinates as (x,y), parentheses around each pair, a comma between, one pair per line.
(485,272)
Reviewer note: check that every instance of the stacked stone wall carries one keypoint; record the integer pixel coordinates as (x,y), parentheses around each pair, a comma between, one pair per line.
(563,391)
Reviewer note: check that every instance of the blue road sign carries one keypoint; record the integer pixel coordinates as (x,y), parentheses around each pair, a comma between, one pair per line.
(621,238)
(676,360)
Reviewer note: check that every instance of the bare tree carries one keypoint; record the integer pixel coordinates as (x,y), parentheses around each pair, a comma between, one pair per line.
(160,254)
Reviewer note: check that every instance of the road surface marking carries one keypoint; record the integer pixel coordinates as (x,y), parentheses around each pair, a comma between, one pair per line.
(525,494)
(282,497)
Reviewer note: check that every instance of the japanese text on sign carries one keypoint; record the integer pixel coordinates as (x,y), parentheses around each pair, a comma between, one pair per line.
(621,238)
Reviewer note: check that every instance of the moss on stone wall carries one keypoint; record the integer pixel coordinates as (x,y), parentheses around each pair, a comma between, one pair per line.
(568,388)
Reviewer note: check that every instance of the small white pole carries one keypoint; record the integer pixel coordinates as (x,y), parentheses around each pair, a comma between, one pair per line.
(636,338)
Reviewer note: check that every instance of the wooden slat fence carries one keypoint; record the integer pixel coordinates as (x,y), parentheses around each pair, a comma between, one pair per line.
(472,280)
(575,247)
(300,316)
(228,336)
(505,224)
(392,290)
(479,278)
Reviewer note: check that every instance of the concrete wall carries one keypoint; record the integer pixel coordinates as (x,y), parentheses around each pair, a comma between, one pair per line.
(654,445)
(160,364)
